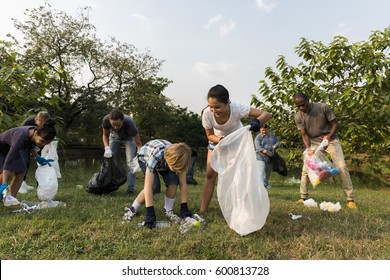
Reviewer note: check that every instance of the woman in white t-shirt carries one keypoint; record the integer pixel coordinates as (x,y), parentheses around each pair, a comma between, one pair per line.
(220,118)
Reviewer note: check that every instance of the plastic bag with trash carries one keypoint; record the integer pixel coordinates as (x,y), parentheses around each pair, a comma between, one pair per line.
(47,182)
(318,166)
(241,193)
(49,151)
(112,175)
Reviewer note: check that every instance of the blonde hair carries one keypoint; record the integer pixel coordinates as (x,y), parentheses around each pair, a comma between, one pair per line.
(178,157)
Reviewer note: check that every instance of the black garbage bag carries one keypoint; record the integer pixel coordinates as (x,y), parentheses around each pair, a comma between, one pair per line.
(279,165)
(112,175)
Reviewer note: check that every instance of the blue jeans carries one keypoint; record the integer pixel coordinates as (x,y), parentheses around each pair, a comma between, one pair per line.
(131,149)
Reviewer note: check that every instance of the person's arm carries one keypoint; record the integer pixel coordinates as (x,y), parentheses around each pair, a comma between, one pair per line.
(183,187)
(277,142)
(106,134)
(148,188)
(258,147)
(137,140)
(211,136)
(333,130)
(261,115)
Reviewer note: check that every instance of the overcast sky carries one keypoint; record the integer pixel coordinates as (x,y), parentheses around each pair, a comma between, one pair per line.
(209,42)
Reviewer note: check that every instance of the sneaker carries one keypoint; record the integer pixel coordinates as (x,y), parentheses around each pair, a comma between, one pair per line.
(172,217)
(351,204)
(301,200)
(129,214)
(9,200)
(130,191)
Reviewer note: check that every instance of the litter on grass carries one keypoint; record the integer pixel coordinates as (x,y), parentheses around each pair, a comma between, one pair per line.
(330,207)
(310,203)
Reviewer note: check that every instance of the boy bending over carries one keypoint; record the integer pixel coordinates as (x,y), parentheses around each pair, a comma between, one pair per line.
(171,161)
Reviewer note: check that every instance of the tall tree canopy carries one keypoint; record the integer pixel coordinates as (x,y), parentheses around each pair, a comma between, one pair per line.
(353,78)
(91,72)
(20,86)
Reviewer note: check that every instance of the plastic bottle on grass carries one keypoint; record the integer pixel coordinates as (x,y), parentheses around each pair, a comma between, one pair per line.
(43,204)
(159,224)
(188,224)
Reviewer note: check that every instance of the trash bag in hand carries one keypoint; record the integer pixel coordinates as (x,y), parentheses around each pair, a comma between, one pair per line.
(111,176)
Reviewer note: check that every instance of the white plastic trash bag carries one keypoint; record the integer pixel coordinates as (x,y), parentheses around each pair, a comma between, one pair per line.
(241,193)
(47,182)
(50,152)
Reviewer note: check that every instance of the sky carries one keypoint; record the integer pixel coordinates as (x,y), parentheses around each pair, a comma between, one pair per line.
(209,42)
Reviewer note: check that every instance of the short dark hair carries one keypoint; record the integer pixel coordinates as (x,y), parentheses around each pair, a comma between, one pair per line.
(116,114)
(301,95)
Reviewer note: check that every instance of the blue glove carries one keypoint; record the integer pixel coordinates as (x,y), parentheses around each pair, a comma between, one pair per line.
(255,125)
(42,161)
(2,188)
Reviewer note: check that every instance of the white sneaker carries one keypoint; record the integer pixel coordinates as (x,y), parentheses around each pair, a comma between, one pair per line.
(9,200)
(172,216)
(128,215)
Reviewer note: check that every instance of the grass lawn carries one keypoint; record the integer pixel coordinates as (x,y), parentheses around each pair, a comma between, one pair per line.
(90,226)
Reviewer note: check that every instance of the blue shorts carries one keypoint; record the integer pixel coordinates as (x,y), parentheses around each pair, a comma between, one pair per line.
(169,177)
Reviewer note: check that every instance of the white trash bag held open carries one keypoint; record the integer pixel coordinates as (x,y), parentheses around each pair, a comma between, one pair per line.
(47,182)
(241,193)
(49,151)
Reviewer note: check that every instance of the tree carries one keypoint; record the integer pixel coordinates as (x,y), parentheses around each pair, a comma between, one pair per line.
(353,78)
(90,71)
(19,87)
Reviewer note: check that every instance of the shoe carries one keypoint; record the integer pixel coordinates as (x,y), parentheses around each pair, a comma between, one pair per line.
(9,200)
(129,214)
(301,200)
(130,191)
(172,216)
(191,181)
(351,204)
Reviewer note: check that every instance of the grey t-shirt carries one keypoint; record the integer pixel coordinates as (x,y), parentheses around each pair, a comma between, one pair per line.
(316,121)
(128,128)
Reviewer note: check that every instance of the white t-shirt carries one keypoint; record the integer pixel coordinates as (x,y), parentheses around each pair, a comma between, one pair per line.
(237,112)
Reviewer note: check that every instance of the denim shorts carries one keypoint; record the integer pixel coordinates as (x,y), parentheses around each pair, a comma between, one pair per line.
(169,177)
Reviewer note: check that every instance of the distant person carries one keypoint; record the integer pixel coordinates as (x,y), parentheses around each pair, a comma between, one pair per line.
(317,122)
(220,118)
(190,174)
(15,146)
(171,161)
(266,143)
(119,130)
(36,120)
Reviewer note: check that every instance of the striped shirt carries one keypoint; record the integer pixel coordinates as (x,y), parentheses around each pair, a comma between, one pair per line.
(152,155)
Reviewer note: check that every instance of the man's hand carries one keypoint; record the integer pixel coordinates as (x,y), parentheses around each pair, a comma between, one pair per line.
(107,152)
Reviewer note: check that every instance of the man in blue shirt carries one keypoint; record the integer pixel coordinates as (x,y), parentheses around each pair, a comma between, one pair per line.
(120,130)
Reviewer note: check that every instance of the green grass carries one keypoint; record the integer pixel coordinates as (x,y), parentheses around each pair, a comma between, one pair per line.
(90,226)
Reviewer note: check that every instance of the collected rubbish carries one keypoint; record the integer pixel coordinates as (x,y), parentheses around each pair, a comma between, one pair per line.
(30,206)
(159,224)
(330,207)
(318,166)
(189,222)
(241,195)
(295,217)
(310,203)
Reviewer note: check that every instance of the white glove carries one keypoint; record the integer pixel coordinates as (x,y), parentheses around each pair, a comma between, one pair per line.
(107,152)
(325,143)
